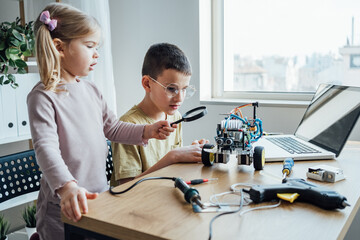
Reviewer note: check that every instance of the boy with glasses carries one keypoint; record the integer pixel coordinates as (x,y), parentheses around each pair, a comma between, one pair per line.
(166,74)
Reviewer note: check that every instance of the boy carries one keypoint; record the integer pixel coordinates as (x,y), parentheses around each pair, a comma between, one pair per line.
(166,74)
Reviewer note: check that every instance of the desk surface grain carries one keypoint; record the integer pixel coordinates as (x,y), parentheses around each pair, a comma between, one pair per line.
(156,210)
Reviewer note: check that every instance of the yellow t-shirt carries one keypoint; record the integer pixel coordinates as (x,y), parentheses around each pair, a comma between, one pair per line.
(130,160)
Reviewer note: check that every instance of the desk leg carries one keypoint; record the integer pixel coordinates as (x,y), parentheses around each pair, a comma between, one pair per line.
(76,233)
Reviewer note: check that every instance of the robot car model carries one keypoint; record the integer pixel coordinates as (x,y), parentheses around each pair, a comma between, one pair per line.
(235,135)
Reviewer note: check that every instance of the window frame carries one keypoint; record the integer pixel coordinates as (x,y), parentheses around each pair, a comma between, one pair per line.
(211,23)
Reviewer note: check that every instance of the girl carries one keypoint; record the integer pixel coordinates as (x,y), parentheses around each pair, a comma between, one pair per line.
(69,118)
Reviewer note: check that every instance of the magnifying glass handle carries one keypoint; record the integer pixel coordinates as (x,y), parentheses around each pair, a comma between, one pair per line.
(176,122)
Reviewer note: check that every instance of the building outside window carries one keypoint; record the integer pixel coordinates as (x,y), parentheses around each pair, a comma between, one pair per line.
(285,46)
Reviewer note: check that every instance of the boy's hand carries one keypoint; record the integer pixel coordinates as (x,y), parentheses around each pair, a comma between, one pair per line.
(201,141)
(74,200)
(159,130)
(187,154)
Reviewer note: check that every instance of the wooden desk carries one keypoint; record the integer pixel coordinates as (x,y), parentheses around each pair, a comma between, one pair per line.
(156,210)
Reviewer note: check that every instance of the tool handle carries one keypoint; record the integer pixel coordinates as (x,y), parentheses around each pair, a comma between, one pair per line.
(287,166)
(200,180)
(189,193)
(310,193)
(176,122)
(196,181)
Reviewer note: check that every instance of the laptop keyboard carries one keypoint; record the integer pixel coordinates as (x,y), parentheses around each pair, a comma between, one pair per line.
(292,145)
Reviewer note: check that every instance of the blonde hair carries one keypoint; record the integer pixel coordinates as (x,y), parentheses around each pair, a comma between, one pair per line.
(71,24)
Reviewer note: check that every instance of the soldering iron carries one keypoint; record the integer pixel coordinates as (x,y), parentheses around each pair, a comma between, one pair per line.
(191,195)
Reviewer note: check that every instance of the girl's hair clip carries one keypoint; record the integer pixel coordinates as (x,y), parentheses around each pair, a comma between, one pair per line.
(45,18)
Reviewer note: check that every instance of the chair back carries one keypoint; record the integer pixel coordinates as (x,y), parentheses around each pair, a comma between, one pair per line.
(109,162)
(19,174)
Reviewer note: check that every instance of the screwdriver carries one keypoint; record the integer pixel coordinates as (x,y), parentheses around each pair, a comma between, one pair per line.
(287,168)
(201,180)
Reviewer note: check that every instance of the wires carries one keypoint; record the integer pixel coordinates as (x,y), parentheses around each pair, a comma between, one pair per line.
(225,213)
(141,180)
(237,110)
(255,123)
(236,188)
(261,208)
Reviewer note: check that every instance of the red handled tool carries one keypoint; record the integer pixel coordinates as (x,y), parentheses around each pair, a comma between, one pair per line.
(201,180)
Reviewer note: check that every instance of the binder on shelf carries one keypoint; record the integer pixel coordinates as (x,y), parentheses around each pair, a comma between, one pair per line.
(26,83)
(1,118)
(9,121)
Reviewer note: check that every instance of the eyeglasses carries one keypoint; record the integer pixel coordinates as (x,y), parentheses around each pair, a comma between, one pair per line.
(172,89)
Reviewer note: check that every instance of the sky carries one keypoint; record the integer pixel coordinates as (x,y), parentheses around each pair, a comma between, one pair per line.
(290,27)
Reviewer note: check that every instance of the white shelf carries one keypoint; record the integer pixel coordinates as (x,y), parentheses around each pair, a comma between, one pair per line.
(31,64)
(14,139)
(17,201)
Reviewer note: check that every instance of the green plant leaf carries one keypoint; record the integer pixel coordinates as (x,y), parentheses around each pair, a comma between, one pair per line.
(11,77)
(21,70)
(4,227)
(7,53)
(7,82)
(18,35)
(23,47)
(11,63)
(15,42)
(6,69)
(13,50)
(20,63)
(29,216)
(2,45)
(27,53)
(2,79)
(12,54)
(14,85)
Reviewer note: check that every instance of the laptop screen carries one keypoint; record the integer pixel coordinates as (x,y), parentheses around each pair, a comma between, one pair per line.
(330,117)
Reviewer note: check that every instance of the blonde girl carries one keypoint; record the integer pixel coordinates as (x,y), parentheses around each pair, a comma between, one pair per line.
(70,120)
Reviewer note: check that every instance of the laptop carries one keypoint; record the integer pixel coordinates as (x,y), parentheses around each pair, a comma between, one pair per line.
(323,130)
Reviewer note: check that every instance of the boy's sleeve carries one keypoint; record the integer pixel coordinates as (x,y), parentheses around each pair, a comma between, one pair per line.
(126,160)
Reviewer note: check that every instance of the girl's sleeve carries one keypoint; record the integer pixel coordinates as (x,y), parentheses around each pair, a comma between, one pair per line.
(46,140)
(122,132)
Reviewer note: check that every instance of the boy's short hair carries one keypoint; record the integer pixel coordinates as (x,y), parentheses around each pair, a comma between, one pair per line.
(164,56)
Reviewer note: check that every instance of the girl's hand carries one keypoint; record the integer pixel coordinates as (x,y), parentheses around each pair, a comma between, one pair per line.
(159,130)
(201,141)
(74,200)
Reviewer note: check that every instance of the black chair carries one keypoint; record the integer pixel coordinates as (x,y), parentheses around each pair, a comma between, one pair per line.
(109,162)
(19,178)
(19,182)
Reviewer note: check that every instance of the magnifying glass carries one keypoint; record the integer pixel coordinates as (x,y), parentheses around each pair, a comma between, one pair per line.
(192,115)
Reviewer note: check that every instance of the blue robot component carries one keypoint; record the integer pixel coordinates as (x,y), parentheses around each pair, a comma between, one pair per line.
(235,135)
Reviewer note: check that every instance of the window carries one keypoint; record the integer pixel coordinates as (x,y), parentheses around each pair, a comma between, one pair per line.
(282,50)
